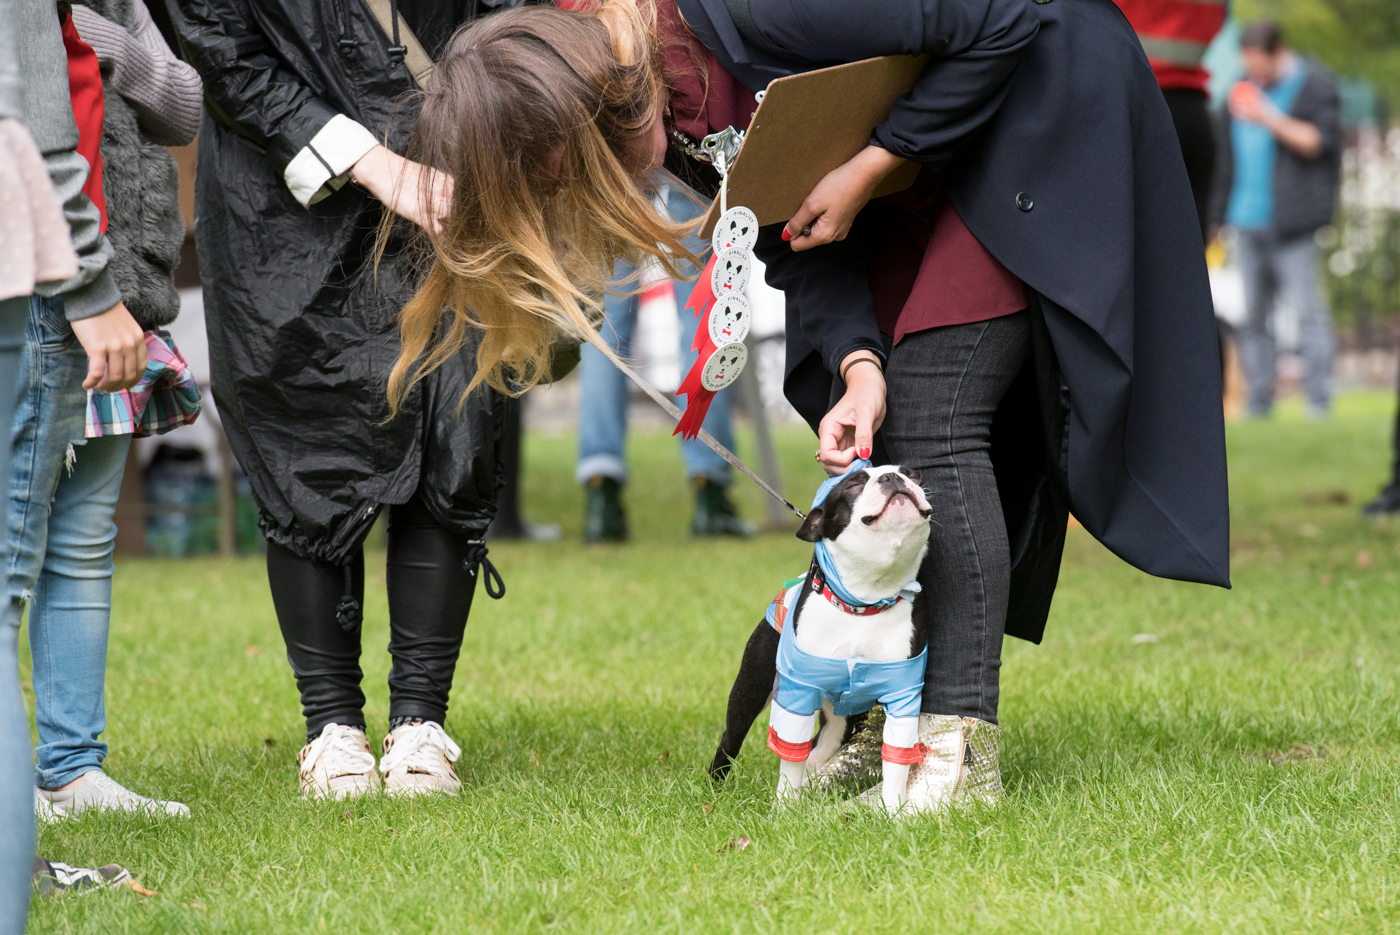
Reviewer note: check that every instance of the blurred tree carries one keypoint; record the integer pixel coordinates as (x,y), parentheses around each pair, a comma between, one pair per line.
(1353,37)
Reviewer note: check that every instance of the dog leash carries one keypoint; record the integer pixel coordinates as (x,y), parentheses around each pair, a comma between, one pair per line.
(674,412)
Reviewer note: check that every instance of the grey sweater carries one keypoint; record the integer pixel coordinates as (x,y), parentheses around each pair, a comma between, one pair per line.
(47,111)
(152,100)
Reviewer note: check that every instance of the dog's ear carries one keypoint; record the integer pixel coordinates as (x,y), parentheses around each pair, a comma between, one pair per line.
(811,528)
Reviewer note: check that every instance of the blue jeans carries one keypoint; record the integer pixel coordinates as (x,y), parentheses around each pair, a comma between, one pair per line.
(61,537)
(602,430)
(1284,271)
(16,796)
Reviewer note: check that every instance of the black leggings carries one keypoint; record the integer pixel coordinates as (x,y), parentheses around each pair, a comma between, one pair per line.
(430,596)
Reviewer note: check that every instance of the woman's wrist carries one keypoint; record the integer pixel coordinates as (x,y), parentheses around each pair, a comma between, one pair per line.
(876,163)
(867,365)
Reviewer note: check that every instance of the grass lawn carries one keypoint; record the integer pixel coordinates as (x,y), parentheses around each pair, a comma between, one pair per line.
(1232,768)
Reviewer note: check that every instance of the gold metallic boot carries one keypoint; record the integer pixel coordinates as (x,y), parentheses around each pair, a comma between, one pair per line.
(856,766)
(960,765)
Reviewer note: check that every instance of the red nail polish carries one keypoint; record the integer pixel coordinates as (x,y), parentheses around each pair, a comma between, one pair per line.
(787,235)
(864,453)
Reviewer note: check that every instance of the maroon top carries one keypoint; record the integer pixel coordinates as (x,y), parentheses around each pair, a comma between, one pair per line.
(927,269)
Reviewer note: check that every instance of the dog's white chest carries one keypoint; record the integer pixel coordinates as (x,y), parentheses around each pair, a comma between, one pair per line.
(824,630)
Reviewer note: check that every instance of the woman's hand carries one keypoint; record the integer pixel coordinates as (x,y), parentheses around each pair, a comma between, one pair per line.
(399,184)
(848,430)
(838,198)
(116,349)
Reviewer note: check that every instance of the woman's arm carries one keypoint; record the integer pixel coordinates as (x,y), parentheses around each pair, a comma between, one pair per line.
(249,90)
(164,91)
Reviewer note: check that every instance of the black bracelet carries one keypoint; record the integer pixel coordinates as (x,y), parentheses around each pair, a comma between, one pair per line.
(859,360)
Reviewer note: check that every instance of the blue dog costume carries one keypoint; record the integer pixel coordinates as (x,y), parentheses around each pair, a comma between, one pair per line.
(852,685)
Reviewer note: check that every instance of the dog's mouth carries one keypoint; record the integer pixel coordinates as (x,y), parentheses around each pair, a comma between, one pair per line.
(897,495)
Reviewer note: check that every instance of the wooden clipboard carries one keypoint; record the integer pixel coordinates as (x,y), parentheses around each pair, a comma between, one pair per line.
(809,124)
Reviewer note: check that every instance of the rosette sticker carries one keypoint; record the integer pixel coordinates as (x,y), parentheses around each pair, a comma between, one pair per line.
(724,366)
(729,320)
(730,273)
(736,230)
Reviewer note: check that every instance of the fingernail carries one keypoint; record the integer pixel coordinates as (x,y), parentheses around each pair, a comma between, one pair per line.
(787,235)
(864,453)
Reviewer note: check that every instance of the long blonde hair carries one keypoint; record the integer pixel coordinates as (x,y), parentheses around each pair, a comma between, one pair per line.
(532,112)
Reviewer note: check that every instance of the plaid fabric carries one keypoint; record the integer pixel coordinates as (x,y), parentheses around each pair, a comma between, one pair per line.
(165,397)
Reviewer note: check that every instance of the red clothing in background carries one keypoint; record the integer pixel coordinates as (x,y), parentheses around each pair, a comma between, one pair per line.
(1175,35)
(85,88)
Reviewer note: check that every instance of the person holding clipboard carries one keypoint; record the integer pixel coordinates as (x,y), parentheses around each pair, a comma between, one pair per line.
(1028,324)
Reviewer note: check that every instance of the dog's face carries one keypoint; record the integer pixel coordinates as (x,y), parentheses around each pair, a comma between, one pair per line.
(731,272)
(876,523)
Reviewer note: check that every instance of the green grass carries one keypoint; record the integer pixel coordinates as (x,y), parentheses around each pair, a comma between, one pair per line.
(1151,786)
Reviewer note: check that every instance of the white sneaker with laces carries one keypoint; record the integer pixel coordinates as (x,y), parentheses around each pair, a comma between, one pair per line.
(418,759)
(337,765)
(103,793)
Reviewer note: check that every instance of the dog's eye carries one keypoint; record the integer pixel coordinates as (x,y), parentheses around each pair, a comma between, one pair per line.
(867,520)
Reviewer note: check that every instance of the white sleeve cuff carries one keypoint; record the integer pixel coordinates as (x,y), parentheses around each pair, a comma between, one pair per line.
(323,165)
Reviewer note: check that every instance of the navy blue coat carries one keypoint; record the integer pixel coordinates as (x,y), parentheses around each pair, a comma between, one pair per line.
(1053,141)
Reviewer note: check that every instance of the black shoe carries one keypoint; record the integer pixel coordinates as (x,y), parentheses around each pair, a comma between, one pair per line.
(604,519)
(1387,503)
(714,512)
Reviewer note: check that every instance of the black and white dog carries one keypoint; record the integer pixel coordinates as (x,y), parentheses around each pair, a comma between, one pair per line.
(851,632)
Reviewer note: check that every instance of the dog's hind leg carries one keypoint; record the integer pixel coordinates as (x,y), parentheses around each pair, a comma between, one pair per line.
(829,738)
(752,688)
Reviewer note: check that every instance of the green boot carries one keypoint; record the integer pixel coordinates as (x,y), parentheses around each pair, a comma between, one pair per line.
(714,512)
(604,520)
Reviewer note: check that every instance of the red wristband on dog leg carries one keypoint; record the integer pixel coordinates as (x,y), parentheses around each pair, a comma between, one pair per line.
(793,752)
(904,756)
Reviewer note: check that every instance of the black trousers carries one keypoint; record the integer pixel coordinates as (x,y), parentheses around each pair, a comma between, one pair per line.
(430,596)
(1191,115)
(943,387)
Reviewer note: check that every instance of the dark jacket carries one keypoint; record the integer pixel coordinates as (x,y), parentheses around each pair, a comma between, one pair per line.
(139,178)
(301,335)
(1053,142)
(1305,190)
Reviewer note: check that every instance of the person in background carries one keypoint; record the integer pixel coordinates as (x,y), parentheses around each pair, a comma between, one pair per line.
(34,248)
(1284,162)
(602,435)
(133,96)
(1175,36)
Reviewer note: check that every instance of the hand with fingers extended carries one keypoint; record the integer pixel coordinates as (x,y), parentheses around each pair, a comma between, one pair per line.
(848,430)
(116,349)
(828,212)
(409,189)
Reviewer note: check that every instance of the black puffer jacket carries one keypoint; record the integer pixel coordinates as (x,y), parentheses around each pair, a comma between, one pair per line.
(301,335)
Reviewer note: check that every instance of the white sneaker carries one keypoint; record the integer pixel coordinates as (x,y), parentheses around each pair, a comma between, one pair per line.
(418,759)
(43,808)
(103,793)
(337,765)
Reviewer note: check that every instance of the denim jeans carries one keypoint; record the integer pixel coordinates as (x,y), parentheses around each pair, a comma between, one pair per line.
(16,794)
(602,430)
(944,386)
(1283,271)
(61,535)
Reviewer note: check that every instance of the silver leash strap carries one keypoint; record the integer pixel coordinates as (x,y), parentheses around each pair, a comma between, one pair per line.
(674,411)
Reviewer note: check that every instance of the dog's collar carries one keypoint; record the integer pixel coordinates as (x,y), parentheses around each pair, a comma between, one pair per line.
(821,586)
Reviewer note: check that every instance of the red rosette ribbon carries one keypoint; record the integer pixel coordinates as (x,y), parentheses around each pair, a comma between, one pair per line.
(698,399)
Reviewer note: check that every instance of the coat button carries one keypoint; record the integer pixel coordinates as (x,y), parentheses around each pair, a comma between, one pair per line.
(1024,201)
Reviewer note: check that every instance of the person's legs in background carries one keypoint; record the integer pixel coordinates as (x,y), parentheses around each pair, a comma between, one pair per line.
(602,424)
(16,764)
(1258,354)
(1300,287)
